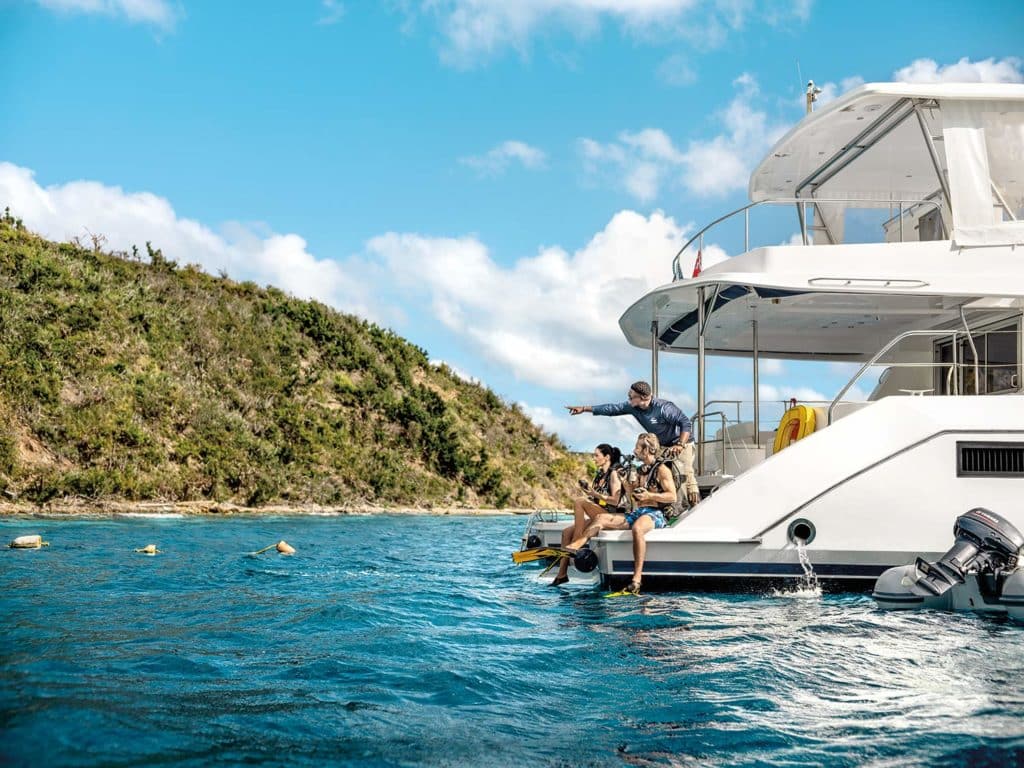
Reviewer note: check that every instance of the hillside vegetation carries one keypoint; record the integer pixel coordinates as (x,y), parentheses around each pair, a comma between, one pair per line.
(125,376)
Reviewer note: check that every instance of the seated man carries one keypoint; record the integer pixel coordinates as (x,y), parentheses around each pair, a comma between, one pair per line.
(652,491)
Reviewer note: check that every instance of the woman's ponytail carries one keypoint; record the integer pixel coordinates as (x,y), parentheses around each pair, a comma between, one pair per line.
(611,452)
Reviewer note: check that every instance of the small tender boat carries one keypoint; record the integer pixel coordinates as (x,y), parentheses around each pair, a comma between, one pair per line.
(983,571)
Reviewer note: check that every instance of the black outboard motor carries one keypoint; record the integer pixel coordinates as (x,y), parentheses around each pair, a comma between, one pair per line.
(987,550)
(985,543)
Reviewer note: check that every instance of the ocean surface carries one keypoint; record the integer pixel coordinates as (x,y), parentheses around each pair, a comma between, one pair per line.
(395,641)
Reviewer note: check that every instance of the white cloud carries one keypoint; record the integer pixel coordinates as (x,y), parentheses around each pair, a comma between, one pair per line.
(676,71)
(159,13)
(989,70)
(550,319)
(478,29)
(497,160)
(333,11)
(644,161)
(585,431)
(1008,70)
(124,219)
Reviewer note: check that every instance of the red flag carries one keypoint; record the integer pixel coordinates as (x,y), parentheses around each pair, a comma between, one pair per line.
(696,265)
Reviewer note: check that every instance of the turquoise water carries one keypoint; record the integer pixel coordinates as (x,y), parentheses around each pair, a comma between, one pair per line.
(415,641)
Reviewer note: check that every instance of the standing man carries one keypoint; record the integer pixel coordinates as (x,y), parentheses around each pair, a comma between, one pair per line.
(660,417)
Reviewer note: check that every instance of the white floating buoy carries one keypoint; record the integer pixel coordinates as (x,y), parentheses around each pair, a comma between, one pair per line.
(35,541)
(149,549)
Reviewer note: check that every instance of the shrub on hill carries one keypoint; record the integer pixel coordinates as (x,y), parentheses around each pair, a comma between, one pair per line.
(128,376)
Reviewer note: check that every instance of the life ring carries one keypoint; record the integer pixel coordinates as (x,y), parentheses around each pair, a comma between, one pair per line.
(797,423)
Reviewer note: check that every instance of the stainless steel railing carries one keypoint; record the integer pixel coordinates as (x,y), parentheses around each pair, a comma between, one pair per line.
(801,204)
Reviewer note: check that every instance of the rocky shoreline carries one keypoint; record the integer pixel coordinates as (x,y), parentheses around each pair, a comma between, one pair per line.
(88,508)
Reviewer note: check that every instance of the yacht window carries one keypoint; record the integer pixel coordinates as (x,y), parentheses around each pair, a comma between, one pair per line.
(1003,360)
(999,361)
(989,459)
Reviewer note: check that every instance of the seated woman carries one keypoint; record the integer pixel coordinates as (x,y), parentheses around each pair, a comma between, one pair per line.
(604,496)
(652,492)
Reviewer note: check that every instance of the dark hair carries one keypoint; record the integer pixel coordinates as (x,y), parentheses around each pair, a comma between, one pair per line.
(642,388)
(611,450)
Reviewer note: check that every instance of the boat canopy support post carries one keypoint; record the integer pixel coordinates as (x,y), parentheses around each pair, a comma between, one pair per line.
(757,392)
(937,165)
(654,357)
(701,323)
(974,350)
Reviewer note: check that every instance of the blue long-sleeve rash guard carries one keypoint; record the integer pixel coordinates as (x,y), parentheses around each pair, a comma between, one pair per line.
(662,418)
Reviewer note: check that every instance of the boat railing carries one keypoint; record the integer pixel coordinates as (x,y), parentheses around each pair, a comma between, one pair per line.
(725,439)
(723,421)
(951,367)
(802,203)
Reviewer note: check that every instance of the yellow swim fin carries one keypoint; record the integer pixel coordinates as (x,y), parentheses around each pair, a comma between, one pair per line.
(539,553)
(630,589)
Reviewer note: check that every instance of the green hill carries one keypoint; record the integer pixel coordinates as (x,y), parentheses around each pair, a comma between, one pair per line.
(128,377)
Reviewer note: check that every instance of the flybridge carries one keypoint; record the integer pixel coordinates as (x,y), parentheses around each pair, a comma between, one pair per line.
(961,145)
(946,159)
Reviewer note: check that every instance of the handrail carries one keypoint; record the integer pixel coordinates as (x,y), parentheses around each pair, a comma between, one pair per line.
(725,422)
(737,403)
(800,201)
(882,351)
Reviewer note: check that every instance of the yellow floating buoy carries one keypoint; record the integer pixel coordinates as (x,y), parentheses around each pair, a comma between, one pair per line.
(285,548)
(35,541)
(149,549)
(282,547)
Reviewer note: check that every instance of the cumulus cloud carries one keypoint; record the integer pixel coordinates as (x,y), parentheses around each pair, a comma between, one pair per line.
(158,13)
(496,161)
(552,318)
(989,70)
(643,162)
(474,30)
(124,219)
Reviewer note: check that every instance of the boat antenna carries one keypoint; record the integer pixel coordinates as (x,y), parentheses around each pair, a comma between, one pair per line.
(812,95)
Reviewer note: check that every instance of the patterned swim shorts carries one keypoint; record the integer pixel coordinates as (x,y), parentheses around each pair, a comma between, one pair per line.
(656,515)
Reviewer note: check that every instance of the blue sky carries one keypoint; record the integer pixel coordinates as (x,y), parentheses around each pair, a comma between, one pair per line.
(494,180)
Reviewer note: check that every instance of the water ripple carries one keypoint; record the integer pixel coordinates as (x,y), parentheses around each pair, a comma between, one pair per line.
(414,641)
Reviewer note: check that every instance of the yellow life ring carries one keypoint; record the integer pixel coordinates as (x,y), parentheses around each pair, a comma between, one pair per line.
(797,423)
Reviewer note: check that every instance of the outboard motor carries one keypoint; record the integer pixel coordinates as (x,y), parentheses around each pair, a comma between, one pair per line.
(985,542)
(987,548)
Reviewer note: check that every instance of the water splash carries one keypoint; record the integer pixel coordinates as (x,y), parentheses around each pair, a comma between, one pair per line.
(808,585)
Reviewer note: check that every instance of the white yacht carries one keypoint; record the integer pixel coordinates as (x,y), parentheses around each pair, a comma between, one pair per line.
(855,487)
